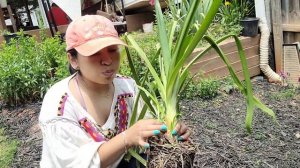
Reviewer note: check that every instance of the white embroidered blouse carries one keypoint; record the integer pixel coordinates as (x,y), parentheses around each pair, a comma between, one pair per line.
(71,137)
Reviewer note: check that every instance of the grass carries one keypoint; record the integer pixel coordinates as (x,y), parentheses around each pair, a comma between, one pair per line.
(8,149)
(285,94)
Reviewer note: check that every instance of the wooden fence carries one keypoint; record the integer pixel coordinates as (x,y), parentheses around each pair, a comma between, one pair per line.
(286,26)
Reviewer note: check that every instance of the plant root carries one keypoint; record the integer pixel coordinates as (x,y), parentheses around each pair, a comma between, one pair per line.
(167,153)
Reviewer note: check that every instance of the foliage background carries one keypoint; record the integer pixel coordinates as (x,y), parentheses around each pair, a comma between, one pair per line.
(29,68)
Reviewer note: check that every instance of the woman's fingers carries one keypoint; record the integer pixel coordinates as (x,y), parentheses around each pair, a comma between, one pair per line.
(184,136)
(181,131)
(144,144)
(151,122)
(147,134)
(144,129)
(176,129)
(161,127)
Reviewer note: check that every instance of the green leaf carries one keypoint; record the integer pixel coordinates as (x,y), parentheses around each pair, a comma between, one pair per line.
(247,90)
(137,156)
(148,63)
(166,53)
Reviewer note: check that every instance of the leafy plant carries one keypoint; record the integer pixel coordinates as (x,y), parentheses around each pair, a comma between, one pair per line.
(217,29)
(206,88)
(232,11)
(163,100)
(147,41)
(228,85)
(29,68)
(178,11)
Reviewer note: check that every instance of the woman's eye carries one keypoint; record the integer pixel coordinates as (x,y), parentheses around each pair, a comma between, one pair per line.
(113,49)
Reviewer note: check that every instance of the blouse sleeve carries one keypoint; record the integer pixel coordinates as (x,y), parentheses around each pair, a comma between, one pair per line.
(65,144)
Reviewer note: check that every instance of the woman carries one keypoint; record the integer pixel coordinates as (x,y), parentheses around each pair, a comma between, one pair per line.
(84,117)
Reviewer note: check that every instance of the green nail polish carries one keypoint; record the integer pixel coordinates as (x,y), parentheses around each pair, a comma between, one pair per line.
(180,138)
(174,132)
(146,146)
(156,132)
(164,128)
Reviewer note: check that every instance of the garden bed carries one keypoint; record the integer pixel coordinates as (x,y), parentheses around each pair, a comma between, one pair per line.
(211,64)
(218,128)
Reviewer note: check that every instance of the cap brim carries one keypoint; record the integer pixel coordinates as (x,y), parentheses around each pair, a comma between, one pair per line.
(91,47)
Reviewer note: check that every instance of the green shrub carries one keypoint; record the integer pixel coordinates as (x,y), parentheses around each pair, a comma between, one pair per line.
(28,68)
(206,88)
(228,85)
(147,41)
(8,149)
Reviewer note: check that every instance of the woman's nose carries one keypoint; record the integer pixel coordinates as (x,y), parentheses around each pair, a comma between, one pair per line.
(106,59)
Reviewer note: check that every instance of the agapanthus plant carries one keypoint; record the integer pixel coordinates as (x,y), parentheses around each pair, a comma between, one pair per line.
(163,99)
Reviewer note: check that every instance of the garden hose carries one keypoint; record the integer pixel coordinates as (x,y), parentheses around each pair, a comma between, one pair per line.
(264,52)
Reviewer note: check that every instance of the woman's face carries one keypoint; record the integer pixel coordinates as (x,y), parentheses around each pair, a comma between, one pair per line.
(100,67)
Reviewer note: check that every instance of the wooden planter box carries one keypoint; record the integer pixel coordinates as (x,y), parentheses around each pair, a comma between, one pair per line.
(211,64)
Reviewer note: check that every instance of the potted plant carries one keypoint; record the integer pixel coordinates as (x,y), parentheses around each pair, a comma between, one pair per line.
(161,92)
(240,12)
(250,26)
(248,20)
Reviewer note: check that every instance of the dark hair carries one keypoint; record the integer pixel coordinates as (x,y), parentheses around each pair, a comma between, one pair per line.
(73,53)
(54,4)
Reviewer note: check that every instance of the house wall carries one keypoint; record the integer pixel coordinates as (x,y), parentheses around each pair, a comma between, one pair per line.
(135,22)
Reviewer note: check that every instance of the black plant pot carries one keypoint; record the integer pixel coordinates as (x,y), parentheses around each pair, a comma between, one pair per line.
(9,37)
(250,26)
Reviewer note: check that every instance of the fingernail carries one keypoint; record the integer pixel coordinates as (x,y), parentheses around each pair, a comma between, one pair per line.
(156,132)
(174,132)
(146,146)
(180,138)
(164,128)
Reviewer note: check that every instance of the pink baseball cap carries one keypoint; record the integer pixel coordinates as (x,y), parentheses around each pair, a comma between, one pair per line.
(91,33)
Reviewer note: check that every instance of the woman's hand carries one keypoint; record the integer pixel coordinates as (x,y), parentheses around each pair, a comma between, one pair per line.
(143,129)
(182,132)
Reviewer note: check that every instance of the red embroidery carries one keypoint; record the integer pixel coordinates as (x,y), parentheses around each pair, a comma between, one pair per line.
(62,103)
(90,129)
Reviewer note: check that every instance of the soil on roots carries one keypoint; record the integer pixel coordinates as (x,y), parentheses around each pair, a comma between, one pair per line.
(165,153)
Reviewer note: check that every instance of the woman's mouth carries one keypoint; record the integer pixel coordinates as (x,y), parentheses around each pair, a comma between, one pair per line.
(108,73)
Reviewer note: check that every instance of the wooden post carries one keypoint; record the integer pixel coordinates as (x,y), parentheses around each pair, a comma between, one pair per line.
(25,2)
(277,33)
(11,16)
(2,20)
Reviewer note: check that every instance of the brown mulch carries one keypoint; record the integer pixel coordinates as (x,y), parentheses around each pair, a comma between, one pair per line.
(218,128)
(22,123)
